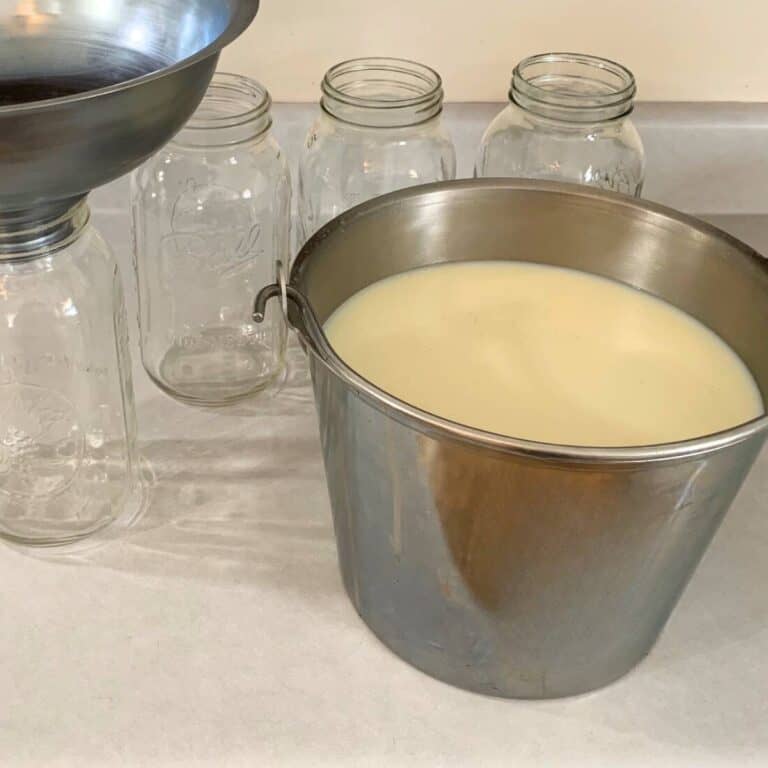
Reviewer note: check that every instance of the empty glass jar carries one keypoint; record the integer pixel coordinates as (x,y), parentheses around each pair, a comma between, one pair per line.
(568,120)
(68,464)
(379,130)
(211,221)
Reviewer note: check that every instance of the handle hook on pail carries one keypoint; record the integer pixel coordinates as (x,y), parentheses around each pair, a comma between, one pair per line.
(298,312)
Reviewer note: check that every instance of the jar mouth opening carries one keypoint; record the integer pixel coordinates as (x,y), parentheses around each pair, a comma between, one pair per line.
(382,83)
(573,87)
(230,101)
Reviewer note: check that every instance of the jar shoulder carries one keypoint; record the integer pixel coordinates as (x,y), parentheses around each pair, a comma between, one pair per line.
(327,134)
(337,153)
(514,125)
(70,285)
(243,165)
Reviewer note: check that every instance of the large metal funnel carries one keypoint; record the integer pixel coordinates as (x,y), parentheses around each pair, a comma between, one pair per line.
(91,88)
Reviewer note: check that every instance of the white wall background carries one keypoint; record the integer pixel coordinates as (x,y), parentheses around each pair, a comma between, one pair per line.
(680,50)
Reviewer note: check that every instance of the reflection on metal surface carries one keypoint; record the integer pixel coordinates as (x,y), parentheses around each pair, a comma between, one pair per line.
(521,569)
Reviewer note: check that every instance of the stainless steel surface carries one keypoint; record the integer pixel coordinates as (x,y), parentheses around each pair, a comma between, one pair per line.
(127,73)
(504,566)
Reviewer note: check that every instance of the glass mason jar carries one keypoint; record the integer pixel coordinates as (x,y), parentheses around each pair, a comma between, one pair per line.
(211,224)
(568,120)
(379,130)
(68,463)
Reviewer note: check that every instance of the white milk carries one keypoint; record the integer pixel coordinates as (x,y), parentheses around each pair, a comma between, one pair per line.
(544,353)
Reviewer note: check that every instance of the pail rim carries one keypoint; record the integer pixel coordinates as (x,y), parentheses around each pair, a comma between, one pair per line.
(304,319)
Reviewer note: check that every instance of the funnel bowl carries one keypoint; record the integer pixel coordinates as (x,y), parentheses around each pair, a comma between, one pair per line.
(89,89)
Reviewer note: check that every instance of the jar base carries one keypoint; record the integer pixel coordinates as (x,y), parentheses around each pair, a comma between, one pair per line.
(207,395)
(63,543)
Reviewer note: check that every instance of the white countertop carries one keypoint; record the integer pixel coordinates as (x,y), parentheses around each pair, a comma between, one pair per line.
(217,633)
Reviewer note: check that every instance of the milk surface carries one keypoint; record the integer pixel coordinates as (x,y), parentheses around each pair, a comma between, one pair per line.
(544,353)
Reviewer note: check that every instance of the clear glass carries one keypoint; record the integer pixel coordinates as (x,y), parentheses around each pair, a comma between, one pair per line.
(68,463)
(211,224)
(379,130)
(568,120)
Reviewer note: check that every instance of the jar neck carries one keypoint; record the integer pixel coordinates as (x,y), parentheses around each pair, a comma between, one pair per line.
(235,109)
(382,93)
(40,231)
(573,88)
